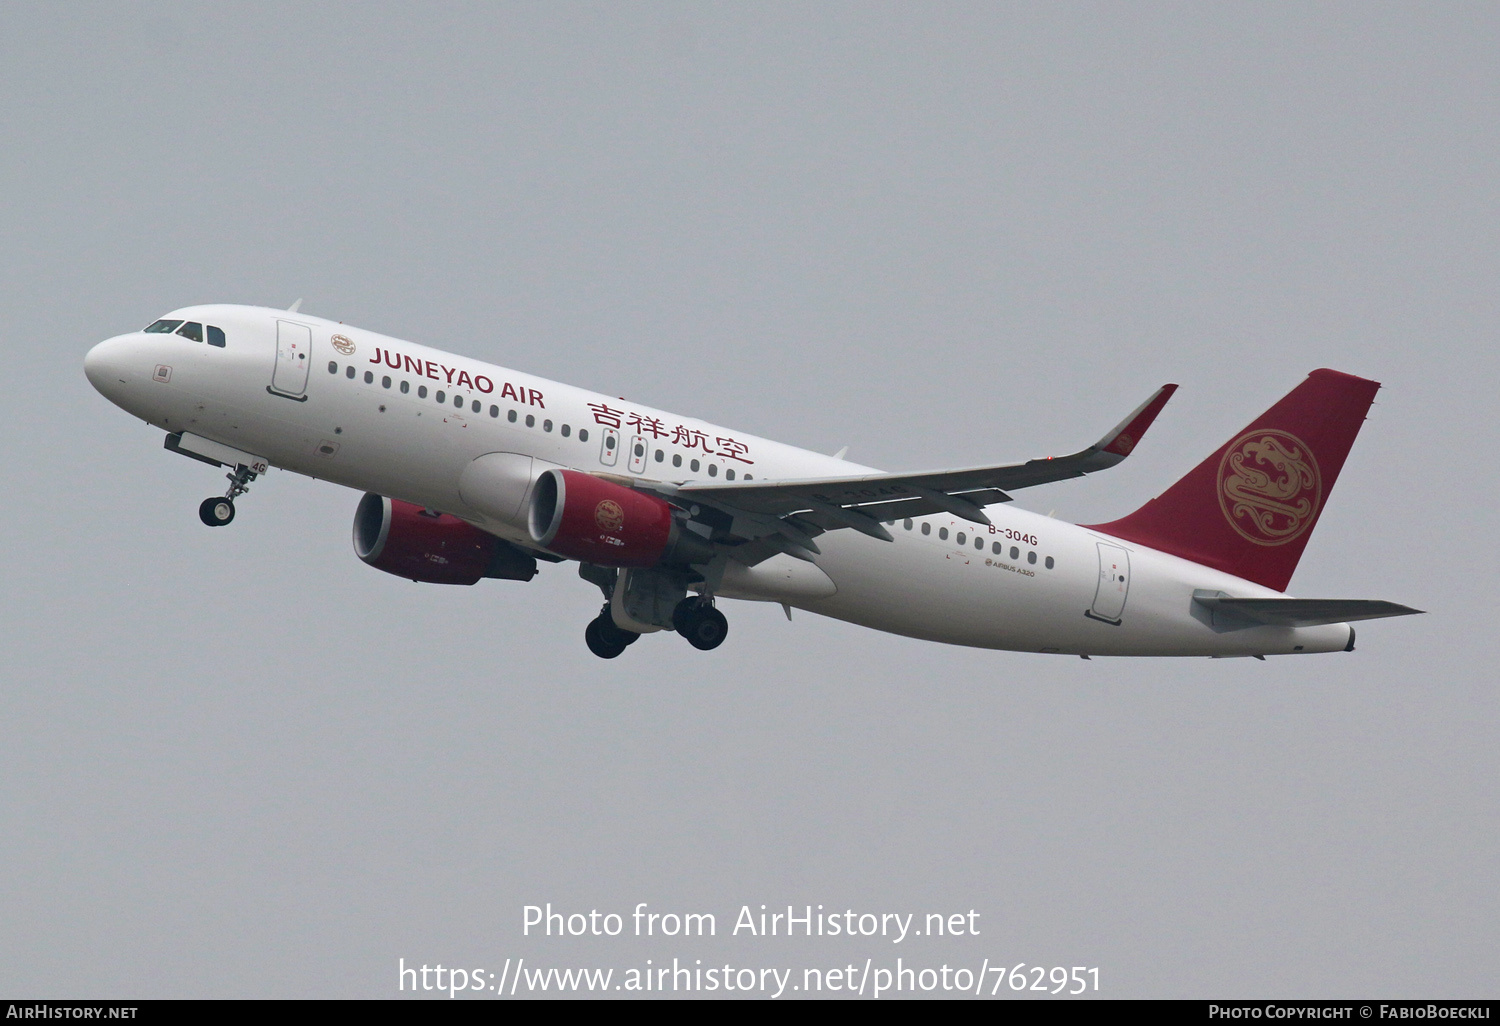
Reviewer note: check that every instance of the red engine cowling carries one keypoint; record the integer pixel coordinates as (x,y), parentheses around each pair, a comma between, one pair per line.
(438,548)
(582,517)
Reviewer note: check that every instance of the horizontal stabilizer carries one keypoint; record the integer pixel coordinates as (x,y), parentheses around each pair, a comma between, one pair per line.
(1294,612)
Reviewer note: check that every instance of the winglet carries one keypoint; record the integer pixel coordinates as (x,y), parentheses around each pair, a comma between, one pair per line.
(294,307)
(1127,434)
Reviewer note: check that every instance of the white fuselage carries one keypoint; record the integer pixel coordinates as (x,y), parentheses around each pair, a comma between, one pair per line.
(281,390)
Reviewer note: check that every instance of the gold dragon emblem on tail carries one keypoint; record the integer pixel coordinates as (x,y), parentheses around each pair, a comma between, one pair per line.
(1269,486)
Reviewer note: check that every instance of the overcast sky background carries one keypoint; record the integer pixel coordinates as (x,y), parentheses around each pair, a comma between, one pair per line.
(242,763)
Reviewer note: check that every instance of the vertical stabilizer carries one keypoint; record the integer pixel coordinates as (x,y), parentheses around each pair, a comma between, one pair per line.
(1250,507)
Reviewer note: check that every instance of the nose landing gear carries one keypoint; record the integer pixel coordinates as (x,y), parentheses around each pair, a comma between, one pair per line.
(217,510)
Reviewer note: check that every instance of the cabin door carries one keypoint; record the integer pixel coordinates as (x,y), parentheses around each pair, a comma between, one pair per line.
(1114,583)
(293,359)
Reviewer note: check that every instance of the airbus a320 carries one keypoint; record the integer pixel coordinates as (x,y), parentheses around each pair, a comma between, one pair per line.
(473,471)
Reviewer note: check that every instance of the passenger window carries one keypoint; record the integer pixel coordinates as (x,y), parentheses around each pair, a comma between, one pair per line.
(405,387)
(713,470)
(995,548)
(566,431)
(943,533)
(979,543)
(677,460)
(441,396)
(349,372)
(530,420)
(216,336)
(476,407)
(546,425)
(962,538)
(749,477)
(693,466)
(333,367)
(369,377)
(609,440)
(511,416)
(495,411)
(906,523)
(1031,557)
(729,474)
(458,401)
(385,382)
(660,456)
(1050,564)
(583,434)
(926,528)
(1015,553)
(421,391)
(163,327)
(640,450)
(192,330)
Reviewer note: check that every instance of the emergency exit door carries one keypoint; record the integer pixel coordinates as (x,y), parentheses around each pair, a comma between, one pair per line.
(638,450)
(609,447)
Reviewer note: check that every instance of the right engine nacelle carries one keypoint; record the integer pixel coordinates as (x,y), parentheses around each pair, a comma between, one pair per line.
(438,548)
(582,517)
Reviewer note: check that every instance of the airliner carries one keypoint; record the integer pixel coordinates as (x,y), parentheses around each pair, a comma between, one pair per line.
(471,471)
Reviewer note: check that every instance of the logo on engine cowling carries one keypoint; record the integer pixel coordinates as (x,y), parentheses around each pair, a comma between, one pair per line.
(1269,486)
(343,343)
(609,515)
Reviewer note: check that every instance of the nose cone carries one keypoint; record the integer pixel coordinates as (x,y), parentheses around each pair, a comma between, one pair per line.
(108,366)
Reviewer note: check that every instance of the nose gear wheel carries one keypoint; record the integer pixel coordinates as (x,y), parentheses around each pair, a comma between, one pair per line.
(218,510)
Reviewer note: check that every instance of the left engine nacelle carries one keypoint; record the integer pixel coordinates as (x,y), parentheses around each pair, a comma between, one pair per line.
(438,548)
(585,518)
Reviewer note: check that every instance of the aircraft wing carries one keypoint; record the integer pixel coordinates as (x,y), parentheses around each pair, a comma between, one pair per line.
(862,502)
(785,515)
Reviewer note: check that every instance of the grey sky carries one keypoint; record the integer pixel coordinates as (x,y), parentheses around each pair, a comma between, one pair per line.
(240,762)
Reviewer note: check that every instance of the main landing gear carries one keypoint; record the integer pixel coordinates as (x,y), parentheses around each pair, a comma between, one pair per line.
(648,601)
(219,509)
(604,638)
(700,623)
(695,619)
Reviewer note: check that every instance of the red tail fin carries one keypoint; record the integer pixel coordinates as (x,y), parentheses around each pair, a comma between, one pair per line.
(1250,507)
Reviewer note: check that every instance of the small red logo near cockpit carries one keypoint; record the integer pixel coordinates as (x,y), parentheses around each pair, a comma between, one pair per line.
(343,343)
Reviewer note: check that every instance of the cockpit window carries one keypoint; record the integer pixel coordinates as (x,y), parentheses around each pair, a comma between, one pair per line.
(163,327)
(216,336)
(192,330)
